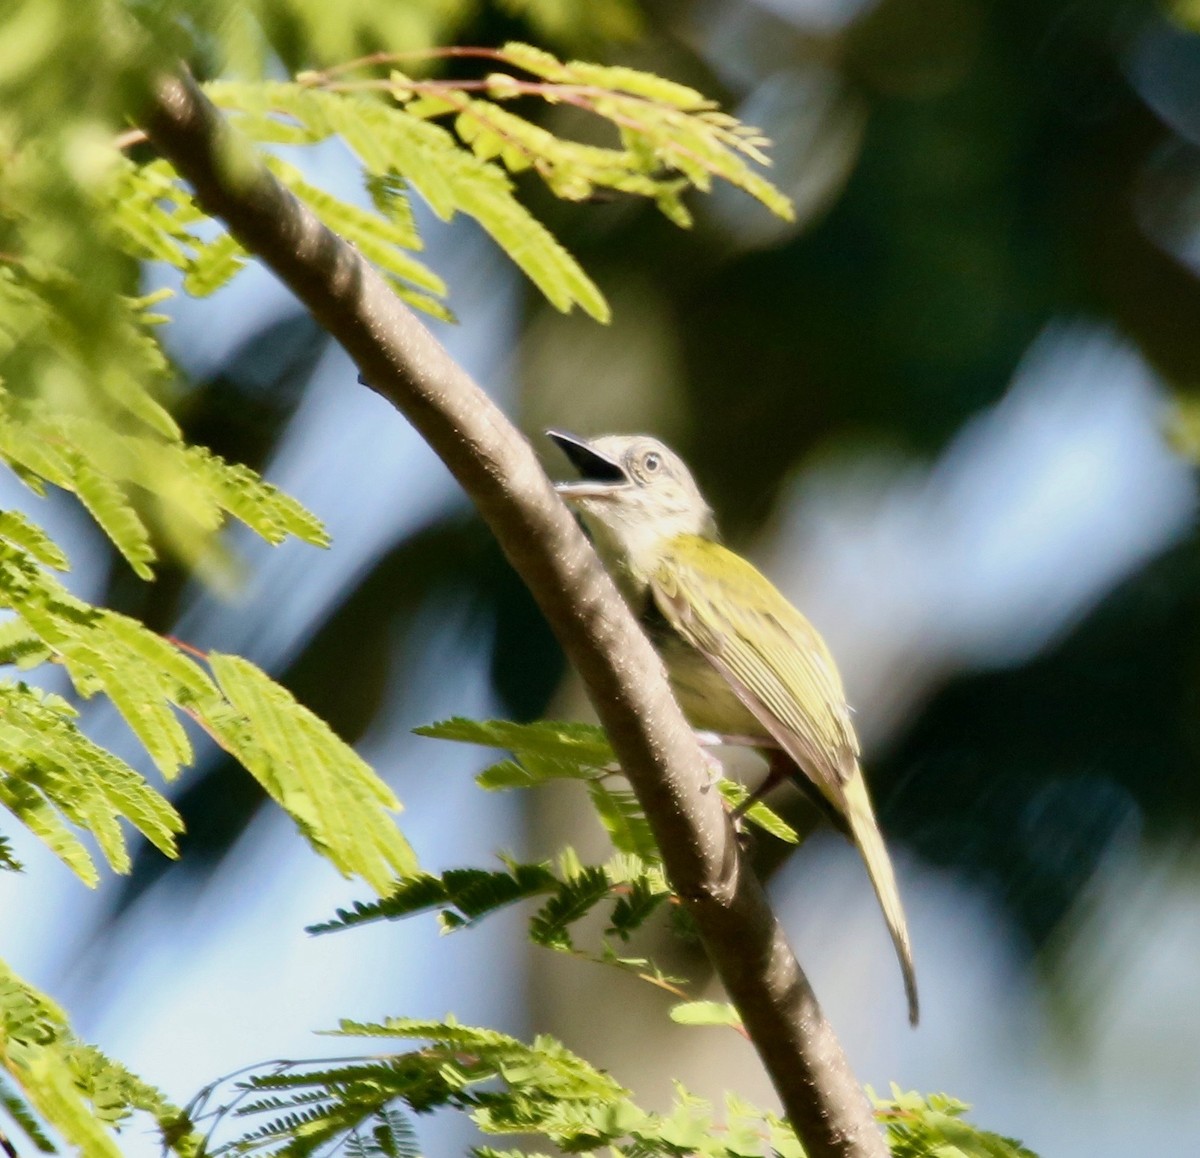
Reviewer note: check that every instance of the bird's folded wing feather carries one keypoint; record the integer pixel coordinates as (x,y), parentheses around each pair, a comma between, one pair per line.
(779,667)
(773,658)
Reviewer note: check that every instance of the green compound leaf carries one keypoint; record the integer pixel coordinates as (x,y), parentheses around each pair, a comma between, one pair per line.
(919,1125)
(51,772)
(634,888)
(580,746)
(623,820)
(572,901)
(393,144)
(463,895)
(548,1096)
(20,532)
(133,479)
(101,650)
(706,1013)
(337,800)
(768,820)
(58,1079)
(382,239)
(52,777)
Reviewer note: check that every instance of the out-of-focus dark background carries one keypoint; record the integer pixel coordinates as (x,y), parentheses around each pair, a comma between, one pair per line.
(949,409)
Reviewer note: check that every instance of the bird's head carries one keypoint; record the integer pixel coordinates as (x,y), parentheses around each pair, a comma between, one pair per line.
(633,494)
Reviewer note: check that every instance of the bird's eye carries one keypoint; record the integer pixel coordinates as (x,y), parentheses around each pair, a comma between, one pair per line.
(651,462)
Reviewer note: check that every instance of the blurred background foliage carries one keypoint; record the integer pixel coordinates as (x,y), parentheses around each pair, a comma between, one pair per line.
(951,408)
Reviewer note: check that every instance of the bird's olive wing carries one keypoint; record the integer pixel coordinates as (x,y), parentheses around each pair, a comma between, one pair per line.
(771,656)
(779,667)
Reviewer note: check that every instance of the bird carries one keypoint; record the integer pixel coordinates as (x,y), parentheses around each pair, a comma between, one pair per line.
(741,660)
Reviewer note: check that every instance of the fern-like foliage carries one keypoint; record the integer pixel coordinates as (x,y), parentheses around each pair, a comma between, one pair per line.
(669,138)
(50,773)
(920,1125)
(706,1013)
(631,888)
(541,1090)
(8,862)
(71,1089)
(461,896)
(105,437)
(555,750)
(627,890)
(339,803)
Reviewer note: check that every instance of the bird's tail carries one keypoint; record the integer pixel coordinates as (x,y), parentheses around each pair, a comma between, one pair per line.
(865,831)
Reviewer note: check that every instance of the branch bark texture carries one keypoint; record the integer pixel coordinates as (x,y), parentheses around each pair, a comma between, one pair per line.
(497,468)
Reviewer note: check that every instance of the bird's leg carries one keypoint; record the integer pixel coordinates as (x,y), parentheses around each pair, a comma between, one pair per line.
(714,767)
(779,764)
(706,740)
(779,768)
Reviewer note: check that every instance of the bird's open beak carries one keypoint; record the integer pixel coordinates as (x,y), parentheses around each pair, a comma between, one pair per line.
(600,475)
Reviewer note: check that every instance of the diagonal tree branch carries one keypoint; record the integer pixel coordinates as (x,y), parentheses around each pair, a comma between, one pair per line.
(405,364)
